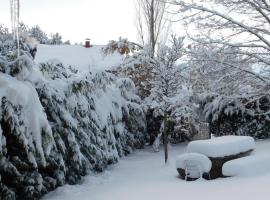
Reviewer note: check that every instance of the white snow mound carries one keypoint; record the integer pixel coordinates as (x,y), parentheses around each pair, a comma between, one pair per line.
(247,166)
(222,146)
(202,161)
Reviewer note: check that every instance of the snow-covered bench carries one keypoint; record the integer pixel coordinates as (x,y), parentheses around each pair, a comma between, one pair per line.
(247,166)
(222,149)
(192,165)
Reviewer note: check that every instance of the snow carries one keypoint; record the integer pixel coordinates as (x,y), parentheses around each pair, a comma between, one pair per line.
(222,146)
(83,59)
(247,166)
(104,106)
(2,141)
(143,175)
(203,161)
(24,94)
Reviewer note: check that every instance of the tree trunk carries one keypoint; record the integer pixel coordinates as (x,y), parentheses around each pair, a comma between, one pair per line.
(152,28)
(165,138)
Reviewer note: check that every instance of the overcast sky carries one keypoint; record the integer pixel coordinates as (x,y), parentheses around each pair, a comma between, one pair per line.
(99,20)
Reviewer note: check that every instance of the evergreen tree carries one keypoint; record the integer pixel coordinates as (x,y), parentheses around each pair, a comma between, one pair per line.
(56,39)
(39,35)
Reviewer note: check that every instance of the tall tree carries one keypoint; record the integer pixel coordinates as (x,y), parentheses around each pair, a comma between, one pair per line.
(151,22)
(166,83)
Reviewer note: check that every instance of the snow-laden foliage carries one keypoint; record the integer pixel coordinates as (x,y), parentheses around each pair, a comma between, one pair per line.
(242,25)
(93,112)
(55,126)
(36,32)
(231,60)
(233,97)
(122,46)
(27,143)
(221,71)
(232,115)
(137,65)
(161,83)
(166,75)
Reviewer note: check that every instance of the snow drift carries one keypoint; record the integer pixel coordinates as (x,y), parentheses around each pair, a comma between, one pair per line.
(247,166)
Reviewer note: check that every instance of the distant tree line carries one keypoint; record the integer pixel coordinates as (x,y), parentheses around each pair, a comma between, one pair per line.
(41,36)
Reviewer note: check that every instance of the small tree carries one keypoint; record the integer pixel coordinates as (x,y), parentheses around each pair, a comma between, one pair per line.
(167,82)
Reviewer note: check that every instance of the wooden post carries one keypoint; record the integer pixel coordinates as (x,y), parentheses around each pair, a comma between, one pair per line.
(165,137)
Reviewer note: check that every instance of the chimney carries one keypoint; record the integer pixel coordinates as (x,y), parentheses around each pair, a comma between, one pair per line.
(87,43)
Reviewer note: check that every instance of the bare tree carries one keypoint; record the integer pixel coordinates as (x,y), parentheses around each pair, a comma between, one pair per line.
(151,22)
(242,25)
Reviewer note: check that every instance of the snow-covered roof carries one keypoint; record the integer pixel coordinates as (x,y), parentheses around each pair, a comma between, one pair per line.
(222,146)
(83,59)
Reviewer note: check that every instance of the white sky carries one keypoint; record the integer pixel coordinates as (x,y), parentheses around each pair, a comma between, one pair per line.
(99,20)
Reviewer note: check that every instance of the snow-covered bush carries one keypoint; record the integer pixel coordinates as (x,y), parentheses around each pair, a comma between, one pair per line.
(137,65)
(233,97)
(230,115)
(96,118)
(56,125)
(27,147)
(122,46)
(37,33)
(27,143)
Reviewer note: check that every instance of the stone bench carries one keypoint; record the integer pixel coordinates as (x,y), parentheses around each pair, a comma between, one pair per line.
(221,150)
(218,162)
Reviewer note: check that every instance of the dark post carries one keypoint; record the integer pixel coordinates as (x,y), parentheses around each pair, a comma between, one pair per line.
(165,136)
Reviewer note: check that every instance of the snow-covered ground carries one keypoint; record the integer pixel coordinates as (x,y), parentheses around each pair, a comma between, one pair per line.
(143,176)
(83,59)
